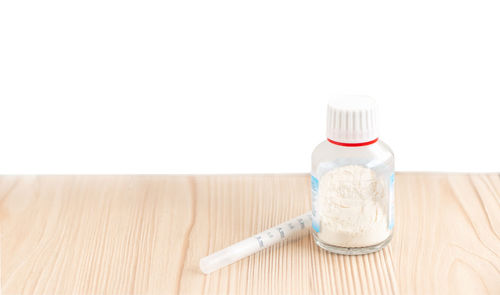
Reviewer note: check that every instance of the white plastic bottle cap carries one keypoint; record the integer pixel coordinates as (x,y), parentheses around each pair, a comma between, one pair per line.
(352,120)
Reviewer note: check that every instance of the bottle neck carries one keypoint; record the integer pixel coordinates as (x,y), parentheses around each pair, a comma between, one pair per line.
(353,144)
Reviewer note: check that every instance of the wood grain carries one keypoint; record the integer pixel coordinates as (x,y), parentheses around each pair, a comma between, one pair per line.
(146,234)
(448,234)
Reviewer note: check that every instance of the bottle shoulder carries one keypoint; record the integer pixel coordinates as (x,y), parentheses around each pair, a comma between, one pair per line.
(378,153)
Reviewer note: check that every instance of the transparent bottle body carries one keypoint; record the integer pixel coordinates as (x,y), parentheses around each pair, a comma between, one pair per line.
(379,158)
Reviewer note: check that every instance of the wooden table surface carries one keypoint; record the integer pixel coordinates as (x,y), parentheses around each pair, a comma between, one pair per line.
(146,235)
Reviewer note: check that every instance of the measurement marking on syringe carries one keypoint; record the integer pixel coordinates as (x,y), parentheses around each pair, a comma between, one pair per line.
(282,233)
(259,239)
(301,221)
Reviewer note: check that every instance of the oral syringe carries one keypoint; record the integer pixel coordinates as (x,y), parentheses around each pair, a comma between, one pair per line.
(291,229)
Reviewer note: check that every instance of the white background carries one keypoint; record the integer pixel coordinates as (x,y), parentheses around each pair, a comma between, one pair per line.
(241,86)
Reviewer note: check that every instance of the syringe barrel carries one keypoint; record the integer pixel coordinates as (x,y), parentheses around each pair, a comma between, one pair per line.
(290,229)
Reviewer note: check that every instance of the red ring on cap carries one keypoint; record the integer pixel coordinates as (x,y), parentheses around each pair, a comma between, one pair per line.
(353,144)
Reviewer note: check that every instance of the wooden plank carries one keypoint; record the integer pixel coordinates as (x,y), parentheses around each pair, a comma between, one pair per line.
(146,234)
(447,239)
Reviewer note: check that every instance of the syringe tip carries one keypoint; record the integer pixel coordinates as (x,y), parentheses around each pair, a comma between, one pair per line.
(203,267)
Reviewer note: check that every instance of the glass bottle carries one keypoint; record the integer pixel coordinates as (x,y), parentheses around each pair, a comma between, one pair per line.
(352,180)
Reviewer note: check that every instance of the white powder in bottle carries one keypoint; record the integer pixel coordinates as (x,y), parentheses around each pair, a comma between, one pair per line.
(351,207)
